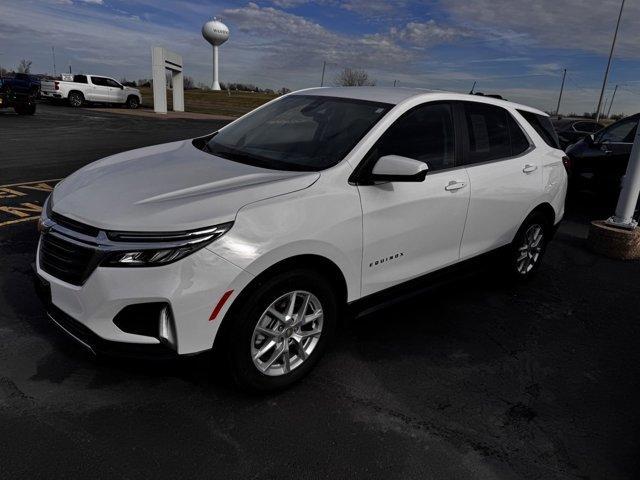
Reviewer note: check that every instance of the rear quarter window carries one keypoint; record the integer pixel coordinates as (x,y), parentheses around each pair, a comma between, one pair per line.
(493,133)
(543,126)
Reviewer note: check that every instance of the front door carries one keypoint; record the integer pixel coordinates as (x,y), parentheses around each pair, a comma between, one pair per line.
(412,228)
(615,144)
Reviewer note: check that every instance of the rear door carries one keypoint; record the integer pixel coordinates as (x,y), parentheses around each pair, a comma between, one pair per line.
(505,174)
(412,228)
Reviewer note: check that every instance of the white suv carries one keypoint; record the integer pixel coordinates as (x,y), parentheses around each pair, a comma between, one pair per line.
(252,238)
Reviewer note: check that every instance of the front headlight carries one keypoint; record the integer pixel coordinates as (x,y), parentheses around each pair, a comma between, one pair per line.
(154,249)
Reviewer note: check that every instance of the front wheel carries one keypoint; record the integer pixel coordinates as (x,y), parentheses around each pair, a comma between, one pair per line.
(529,246)
(281,331)
(133,102)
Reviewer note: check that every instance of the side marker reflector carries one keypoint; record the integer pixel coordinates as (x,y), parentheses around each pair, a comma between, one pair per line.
(220,304)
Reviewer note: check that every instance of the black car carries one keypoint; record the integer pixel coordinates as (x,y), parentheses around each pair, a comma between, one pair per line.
(599,161)
(570,130)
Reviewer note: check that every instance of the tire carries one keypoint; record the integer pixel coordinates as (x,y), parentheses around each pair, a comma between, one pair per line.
(270,370)
(25,109)
(531,240)
(133,102)
(76,99)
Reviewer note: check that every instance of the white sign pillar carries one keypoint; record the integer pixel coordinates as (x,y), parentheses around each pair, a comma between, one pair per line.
(630,190)
(162,60)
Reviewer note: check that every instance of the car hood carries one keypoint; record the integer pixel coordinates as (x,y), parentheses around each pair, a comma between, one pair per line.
(168,187)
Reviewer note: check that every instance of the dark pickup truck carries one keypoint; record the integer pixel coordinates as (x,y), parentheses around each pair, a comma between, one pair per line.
(19,91)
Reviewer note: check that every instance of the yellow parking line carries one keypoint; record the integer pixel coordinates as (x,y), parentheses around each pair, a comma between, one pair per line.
(26,185)
(31,183)
(18,221)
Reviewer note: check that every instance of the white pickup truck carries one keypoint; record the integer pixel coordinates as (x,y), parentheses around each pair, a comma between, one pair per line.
(91,88)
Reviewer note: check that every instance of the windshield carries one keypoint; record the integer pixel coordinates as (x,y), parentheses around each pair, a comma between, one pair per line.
(298,132)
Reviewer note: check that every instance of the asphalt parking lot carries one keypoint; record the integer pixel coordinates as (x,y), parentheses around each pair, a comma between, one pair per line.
(474,380)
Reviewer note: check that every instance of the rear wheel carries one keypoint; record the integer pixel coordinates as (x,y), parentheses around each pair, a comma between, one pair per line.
(76,99)
(281,331)
(529,246)
(133,102)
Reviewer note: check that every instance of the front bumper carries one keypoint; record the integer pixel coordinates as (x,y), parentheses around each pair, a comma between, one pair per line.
(191,288)
(87,338)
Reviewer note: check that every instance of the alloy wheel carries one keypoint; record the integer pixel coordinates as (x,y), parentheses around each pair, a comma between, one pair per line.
(530,249)
(287,333)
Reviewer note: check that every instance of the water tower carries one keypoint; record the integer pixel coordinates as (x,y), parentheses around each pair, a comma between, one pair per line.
(216,33)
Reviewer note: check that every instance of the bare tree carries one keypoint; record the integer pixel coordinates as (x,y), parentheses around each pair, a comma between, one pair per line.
(188,83)
(353,78)
(24,66)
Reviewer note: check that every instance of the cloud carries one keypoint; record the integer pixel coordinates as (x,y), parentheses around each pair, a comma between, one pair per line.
(292,41)
(567,24)
(430,33)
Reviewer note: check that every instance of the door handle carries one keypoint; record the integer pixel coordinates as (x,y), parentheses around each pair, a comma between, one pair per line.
(453,186)
(528,168)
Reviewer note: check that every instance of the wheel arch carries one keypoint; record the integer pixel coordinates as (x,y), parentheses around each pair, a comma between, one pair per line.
(315,263)
(544,208)
(78,92)
(547,210)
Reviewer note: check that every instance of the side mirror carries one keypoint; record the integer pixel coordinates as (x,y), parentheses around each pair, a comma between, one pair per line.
(394,168)
(589,140)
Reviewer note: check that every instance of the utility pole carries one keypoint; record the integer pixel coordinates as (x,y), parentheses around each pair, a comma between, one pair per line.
(611,104)
(324,66)
(564,75)
(606,73)
(53,54)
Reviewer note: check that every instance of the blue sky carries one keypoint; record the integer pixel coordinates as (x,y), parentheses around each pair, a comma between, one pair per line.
(514,47)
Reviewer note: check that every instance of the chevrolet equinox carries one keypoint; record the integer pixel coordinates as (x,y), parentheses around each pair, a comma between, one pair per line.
(252,238)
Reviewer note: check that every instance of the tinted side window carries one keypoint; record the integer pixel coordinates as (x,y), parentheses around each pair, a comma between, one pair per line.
(424,133)
(623,131)
(99,81)
(543,126)
(519,141)
(80,78)
(488,130)
(587,127)
(112,83)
